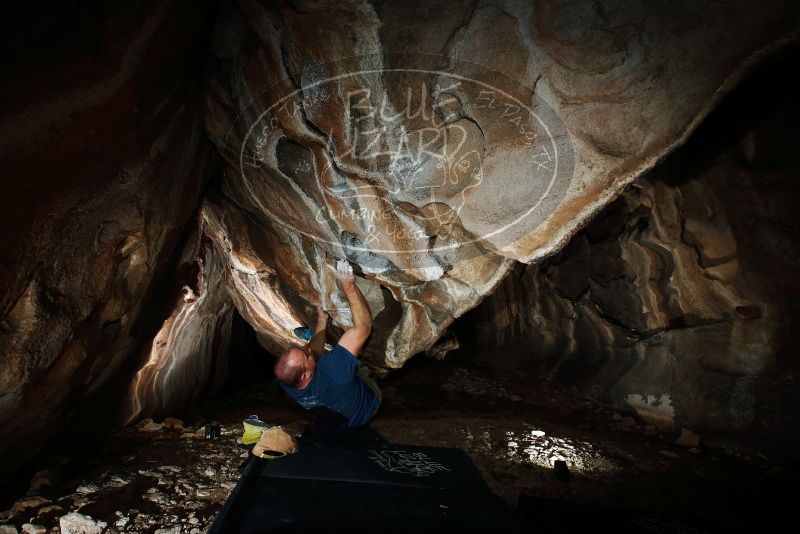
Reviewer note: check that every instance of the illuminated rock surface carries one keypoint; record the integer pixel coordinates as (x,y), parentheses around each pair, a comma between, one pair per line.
(435,207)
(187,358)
(673,301)
(489,136)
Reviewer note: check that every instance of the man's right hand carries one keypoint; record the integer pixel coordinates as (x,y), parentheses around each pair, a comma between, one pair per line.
(354,338)
(344,273)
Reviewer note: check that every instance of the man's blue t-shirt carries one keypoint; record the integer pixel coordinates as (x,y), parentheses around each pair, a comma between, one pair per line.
(335,386)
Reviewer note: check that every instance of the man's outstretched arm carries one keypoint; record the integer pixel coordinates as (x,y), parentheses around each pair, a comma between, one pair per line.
(317,343)
(356,336)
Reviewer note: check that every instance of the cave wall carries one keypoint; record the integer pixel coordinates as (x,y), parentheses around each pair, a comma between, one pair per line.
(187,358)
(113,268)
(431,232)
(680,300)
(104,160)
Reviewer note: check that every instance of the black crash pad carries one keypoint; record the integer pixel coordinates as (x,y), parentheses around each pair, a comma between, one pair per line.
(389,465)
(364,485)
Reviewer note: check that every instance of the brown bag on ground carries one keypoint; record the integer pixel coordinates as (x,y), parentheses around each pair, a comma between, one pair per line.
(274,443)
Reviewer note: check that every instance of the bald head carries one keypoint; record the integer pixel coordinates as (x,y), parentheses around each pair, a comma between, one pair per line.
(290,366)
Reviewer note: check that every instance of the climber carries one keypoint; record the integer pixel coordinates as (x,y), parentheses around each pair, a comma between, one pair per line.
(333,386)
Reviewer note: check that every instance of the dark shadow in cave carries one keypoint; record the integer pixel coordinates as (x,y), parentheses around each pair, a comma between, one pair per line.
(248,362)
(765,101)
(755,120)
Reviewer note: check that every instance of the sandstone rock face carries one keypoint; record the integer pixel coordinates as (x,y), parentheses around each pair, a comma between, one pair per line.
(187,357)
(433,145)
(677,301)
(104,159)
(455,140)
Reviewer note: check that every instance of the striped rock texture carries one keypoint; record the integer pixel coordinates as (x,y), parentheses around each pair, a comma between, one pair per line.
(677,301)
(436,145)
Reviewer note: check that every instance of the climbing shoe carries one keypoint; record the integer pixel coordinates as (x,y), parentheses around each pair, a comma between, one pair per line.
(304,332)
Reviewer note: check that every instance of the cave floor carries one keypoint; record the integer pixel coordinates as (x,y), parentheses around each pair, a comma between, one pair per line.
(512,425)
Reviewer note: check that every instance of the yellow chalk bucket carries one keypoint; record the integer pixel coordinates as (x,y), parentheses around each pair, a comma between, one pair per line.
(253,428)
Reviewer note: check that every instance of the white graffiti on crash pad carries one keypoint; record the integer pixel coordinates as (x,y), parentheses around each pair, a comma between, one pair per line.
(417,464)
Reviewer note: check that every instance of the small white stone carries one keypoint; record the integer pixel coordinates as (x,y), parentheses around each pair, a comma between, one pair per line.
(148,425)
(30,528)
(170,468)
(171,422)
(117,481)
(87,489)
(8,529)
(75,523)
(48,509)
(144,422)
(80,502)
(27,503)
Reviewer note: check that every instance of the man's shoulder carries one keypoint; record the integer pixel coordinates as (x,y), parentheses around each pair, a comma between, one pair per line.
(337,350)
(337,364)
(335,357)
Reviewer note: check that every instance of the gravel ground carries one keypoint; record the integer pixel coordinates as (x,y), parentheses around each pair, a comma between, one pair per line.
(166,477)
